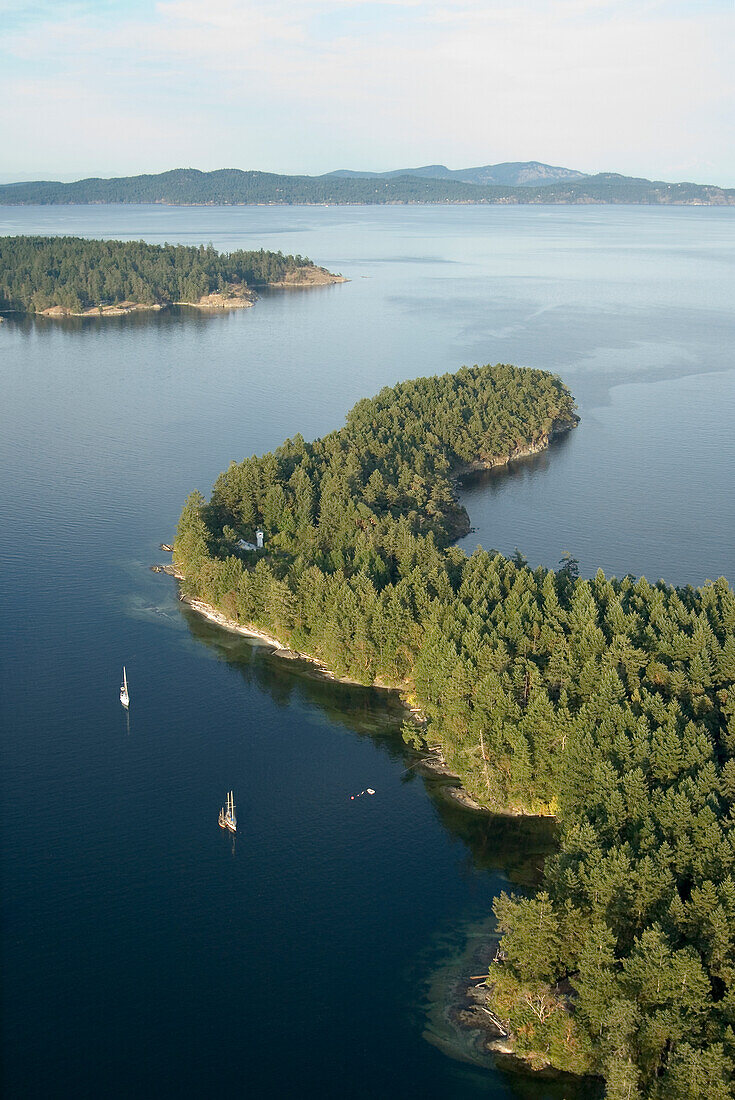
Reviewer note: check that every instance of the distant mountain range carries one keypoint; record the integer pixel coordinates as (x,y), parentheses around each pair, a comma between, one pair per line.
(231,186)
(512,173)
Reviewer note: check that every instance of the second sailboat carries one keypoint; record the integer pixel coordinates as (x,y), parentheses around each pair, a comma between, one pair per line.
(124,693)
(227,818)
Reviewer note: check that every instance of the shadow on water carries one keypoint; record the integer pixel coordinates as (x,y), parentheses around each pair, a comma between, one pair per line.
(168,318)
(485,482)
(515,846)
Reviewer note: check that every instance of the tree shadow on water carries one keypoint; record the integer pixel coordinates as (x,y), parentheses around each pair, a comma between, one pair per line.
(515,846)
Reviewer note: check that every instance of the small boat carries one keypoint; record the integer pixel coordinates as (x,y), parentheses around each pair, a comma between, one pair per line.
(227,819)
(124,694)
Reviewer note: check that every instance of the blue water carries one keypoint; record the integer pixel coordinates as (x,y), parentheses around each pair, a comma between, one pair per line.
(142,951)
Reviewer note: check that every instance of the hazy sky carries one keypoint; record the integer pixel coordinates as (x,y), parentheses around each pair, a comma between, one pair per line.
(106,87)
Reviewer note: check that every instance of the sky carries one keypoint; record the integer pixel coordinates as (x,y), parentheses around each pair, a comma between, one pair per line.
(119,87)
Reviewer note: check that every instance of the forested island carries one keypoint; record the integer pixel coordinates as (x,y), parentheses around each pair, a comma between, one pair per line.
(229,186)
(62,276)
(607,703)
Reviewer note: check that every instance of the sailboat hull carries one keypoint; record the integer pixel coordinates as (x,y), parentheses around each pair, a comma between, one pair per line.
(227,819)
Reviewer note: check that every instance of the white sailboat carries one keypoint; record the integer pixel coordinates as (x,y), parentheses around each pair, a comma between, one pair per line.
(124,694)
(227,818)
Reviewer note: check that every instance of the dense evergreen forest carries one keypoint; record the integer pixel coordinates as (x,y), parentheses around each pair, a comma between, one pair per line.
(78,274)
(232,186)
(610,703)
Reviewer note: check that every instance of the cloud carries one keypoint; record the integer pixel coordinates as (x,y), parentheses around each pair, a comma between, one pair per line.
(379,83)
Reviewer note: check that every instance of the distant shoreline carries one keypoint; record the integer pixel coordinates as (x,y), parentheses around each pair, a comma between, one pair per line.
(725,202)
(235,187)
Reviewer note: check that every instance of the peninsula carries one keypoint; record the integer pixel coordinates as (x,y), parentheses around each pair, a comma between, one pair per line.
(607,703)
(73,276)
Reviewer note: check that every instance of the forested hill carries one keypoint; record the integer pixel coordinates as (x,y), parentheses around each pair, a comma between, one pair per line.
(609,702)
(509,174)
(232,186)
(75,274)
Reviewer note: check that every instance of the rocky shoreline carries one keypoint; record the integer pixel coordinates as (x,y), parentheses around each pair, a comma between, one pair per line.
(208,611)
(471,1026)
(309,276)
(118,310)
(236,298)
(558,427)
(463,1024)
(208,302)
(431,761)
(461,523)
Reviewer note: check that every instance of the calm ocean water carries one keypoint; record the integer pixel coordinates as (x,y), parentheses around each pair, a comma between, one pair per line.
(143,952)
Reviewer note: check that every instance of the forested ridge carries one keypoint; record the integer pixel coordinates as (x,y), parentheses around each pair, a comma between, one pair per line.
(39,272)
(233,186)
(610,703)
